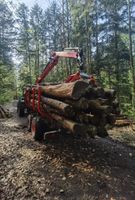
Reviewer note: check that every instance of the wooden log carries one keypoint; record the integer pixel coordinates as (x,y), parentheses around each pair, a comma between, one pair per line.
(50,110)
(81,104)
(122,116)
(124,122)
(73,90)
(103,101)
(94,92)
(110,94)
(96,107)
(115,104)
(70,125)
(116,111)
(64,107)
(87,118)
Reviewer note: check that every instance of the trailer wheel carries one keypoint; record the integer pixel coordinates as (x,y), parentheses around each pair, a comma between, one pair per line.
(102,132)
(29,122)
(36,129)
(20,111)
(20,107)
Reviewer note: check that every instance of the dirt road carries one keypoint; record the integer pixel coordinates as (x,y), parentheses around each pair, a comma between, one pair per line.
(65,168)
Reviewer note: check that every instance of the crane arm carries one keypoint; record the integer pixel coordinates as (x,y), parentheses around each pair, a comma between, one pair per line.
(54,60)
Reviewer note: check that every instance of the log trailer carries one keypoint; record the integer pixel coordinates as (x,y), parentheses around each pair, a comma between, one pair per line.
(78,105)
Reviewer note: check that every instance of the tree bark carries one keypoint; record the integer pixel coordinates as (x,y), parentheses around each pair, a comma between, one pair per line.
(122,122)
(73,90)
(57,104)
(81,104)
(96,107)
(110,94)
(96,92)
(58,107)
(69,124)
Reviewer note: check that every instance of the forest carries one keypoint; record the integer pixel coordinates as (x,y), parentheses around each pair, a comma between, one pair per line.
(73,140)
(104,29)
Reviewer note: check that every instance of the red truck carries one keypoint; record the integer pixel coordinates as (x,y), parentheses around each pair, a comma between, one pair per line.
(39,118)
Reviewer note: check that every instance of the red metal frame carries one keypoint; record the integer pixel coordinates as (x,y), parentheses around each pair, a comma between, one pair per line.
(54,60)
(33,98)
(73,77)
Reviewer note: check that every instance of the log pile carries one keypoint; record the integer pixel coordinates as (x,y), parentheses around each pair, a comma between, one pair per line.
(123,122)
(4,113)
(80,107)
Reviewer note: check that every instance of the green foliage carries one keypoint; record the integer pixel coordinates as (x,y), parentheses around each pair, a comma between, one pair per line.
(7,83)
(7,75)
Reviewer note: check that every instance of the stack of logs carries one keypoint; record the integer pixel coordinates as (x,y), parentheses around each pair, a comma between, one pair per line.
(80,107)
(4,113)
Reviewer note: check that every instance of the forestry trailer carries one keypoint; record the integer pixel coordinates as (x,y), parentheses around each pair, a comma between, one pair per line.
(77,106)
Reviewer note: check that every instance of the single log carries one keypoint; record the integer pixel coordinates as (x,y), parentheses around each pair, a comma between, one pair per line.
(110,94)
(115,104)
(94,92)
(124,122)
(50,109)
(69,124)
(116,111)
(122,116)
(73,90)
(64,107)
(87,118)
(96,107)
(103,101)
(81,104)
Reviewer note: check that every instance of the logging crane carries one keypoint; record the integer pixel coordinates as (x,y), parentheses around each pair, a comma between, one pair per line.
(78,105)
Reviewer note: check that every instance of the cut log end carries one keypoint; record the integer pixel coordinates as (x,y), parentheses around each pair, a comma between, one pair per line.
(79,89)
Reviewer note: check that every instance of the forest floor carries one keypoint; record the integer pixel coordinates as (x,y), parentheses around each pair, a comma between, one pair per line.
(65,168)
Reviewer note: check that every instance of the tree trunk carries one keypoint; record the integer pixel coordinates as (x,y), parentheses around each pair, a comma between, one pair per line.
(95,107)
(131,52)
(69,125)
(96,92)
(72,90)
(65,108)
(81,104)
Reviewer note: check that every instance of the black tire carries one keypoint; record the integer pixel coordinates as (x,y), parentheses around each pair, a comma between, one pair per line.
(37,129)
(20,111)
(29,117)
(102,132)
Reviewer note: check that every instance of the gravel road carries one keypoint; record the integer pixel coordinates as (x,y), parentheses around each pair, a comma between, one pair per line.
(64,168)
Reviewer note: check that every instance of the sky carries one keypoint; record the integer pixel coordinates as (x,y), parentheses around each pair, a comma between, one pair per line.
(43,3)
